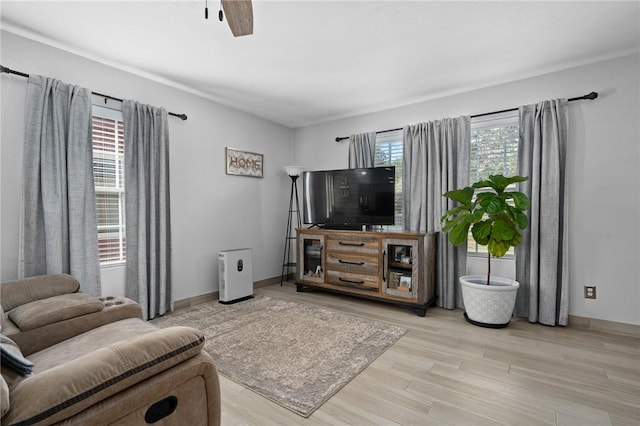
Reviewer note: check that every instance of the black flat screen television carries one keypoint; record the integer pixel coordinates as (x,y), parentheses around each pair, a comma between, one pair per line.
(349,198)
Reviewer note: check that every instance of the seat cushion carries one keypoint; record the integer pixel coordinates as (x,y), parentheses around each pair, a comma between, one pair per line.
(87,342)
(54,309)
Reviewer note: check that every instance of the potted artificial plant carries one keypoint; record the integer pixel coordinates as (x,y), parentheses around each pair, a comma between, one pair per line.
(496,217)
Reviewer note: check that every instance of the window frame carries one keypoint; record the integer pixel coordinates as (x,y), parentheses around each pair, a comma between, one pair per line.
(491,121)
(389,137)
(118,161)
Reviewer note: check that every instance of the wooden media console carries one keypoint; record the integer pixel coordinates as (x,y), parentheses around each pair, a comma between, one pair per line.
(396,267)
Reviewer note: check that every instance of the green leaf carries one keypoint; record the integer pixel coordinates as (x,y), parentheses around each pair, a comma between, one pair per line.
(457,210)
(521,219)
(451,214)
(484,195)
(499,182)
(448,226)
(454,217)
(478,215)
(481,232)
(498,248)
(473,218)
(482,184)
(492,203)
(463,196)
(515,179)
(520,200)
(459,234)
(502,230)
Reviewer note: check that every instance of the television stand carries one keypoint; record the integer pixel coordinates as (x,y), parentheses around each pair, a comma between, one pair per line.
(394,267)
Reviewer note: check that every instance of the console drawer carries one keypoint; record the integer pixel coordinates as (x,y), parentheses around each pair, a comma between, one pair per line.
(353,244)
(350,262)
(347,279)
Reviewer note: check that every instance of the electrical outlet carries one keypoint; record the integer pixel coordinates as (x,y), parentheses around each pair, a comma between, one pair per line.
(589,292)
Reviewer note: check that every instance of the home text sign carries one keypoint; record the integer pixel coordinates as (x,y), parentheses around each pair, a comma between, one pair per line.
(244,163)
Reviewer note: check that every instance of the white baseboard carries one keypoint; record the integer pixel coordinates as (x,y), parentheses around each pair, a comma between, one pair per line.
(207,297)
(593,324)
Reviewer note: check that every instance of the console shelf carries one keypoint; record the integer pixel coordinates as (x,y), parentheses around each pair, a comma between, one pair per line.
(397,267)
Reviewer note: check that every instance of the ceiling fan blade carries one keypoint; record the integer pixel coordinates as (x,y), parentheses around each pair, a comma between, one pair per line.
(239,15)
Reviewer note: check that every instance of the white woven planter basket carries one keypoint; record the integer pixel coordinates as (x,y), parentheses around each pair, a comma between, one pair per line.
(489,304)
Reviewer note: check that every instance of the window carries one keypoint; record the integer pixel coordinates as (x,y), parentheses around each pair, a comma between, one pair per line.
(108,175)
(389,148)
(494,150)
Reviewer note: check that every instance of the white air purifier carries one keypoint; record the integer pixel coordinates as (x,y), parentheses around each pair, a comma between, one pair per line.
(235,272)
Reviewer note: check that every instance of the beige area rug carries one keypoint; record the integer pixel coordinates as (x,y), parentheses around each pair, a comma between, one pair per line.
(293,354)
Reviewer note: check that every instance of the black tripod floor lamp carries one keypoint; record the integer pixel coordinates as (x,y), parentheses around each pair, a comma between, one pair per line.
(288,261)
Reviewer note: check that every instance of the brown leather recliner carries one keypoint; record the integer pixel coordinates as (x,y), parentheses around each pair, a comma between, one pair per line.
(95,361)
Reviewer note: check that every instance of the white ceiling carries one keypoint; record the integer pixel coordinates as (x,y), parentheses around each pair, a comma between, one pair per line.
(313,61)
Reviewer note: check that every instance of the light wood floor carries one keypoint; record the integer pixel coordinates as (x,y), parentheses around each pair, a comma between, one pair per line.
(445,371)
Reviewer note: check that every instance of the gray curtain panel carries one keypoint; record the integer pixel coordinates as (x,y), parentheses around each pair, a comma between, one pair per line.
(58,231)
(362,150)
(436,160)
(542,257)
(147,215)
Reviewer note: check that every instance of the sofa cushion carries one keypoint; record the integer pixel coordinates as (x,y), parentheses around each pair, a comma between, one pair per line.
(87,342)
(69,388)
(9,328)
(54,309)
(18,292)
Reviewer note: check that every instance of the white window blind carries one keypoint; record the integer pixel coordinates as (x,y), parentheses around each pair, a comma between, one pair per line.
(494,150)
(389,149)
(108,174)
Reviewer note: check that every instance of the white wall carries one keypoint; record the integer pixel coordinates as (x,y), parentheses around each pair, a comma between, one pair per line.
(603,169)
(210,211)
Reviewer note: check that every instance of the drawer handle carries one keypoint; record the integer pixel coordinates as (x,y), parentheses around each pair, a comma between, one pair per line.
(346,280)
(350,263)
(350,244)
(384,266)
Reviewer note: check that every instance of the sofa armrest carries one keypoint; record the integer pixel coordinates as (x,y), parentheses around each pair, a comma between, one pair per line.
(19,292)
(60,392)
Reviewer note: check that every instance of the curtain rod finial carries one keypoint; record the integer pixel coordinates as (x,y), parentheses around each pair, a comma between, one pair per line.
(182,117)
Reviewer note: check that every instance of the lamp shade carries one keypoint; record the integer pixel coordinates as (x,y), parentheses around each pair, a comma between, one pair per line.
(294,170)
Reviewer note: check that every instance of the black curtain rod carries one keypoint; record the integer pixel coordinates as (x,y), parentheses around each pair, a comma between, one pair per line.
(589,96)
(182,117)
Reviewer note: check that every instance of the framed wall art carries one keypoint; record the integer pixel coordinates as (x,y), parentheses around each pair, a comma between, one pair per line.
(243,163)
